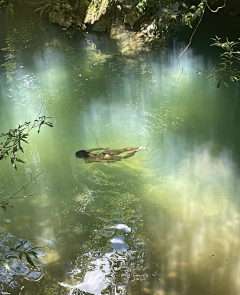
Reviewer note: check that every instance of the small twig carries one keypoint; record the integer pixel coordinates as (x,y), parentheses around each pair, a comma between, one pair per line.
(5,203)
(32,179)
(33,126)
(23,197)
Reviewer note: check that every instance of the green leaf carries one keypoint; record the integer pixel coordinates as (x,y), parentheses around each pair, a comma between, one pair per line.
(219,83)
(49,124)
(198,13)
(225,83)
(8,256)
(20,255)
(9,11)
(22,243)
(6,265)
(44,8)
(21,149)
(19,160)
(29,260)
(24,140)
(34,248)
(13,161)
(33,253)
(36,10)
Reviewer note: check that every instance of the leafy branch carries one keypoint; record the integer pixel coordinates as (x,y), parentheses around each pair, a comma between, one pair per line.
(228,59)
(143,4)
(6,203)
(19,252)
(195,12)
(46,8)
(14,138)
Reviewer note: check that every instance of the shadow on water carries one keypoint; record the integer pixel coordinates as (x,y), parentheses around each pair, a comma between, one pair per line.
(163,222)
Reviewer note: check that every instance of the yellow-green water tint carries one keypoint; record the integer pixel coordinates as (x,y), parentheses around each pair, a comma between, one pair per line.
(164,222)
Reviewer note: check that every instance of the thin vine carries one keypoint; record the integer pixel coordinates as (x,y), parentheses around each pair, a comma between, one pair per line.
(188,20)
(220,7)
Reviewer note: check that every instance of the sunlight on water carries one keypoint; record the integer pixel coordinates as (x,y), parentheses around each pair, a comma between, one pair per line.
(163,222)
(200,197)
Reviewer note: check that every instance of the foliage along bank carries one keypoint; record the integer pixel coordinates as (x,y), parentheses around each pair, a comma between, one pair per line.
(151,17)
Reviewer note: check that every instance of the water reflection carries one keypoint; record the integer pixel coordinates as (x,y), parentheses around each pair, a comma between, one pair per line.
(196,230)
(20,271)
(113,250)
(109,265)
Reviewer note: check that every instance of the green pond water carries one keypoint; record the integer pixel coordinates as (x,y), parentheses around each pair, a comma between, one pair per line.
(164,222)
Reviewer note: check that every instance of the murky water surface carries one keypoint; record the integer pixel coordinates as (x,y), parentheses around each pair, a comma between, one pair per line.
(164,222)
